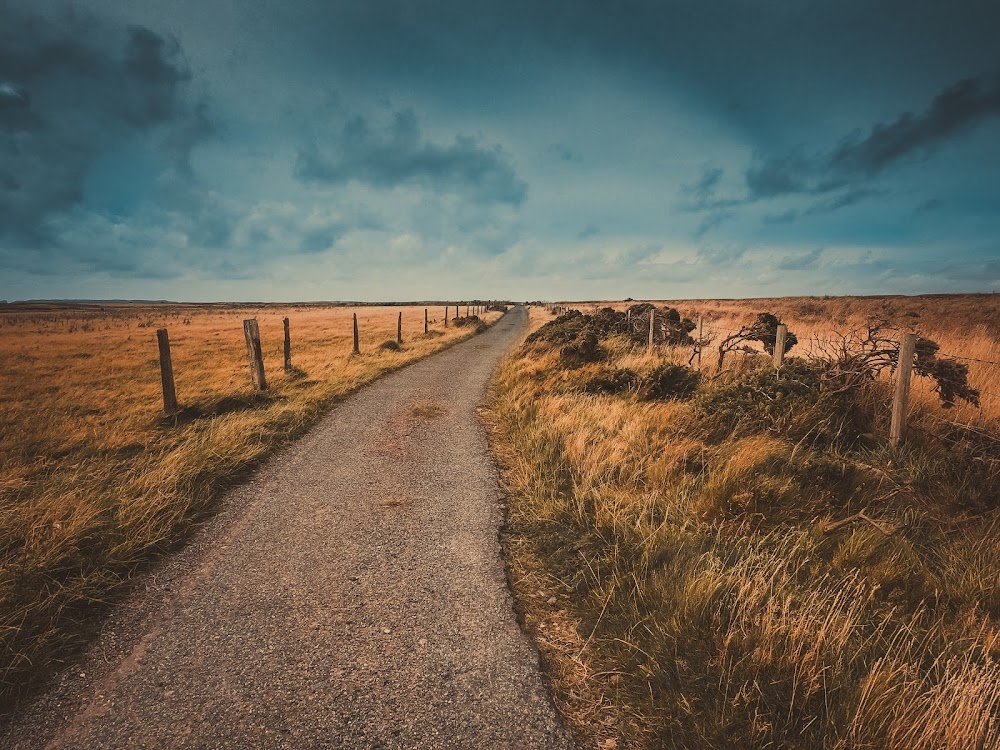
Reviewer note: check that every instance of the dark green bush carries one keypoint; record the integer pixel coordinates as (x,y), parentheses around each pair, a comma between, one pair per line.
(582,350)
(669,381)
(611,381)
(792,402)
(669,328)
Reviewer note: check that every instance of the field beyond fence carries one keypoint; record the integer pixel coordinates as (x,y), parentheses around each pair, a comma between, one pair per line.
(966,327)
(95,478)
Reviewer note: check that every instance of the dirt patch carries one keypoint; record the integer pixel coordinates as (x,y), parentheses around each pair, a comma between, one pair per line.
(426,409)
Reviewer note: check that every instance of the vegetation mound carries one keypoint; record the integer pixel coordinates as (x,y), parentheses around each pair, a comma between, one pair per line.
(669,328)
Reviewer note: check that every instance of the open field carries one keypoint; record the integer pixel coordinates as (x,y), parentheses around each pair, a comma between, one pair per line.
(94,480)
(742,559)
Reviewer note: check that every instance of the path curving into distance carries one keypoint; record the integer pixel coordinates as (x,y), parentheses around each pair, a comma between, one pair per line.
(352,595)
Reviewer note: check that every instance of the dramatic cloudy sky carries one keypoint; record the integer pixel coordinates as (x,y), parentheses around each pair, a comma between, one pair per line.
(399,149)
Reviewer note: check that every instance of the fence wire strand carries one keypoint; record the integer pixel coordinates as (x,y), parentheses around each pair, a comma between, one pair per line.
(970,428)
(969,359)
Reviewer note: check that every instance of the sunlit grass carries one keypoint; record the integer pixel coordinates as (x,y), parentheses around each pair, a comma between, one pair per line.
(94,479)
(693,589)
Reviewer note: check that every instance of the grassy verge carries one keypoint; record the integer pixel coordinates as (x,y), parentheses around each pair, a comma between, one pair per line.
(747,563)
(95,481)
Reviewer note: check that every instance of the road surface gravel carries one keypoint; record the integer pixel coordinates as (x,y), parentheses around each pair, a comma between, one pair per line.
(351,595)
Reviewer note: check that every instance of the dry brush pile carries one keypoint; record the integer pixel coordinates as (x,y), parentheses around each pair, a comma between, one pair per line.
(742,559)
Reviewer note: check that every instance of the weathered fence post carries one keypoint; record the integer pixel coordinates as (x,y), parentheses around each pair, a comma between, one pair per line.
(652,318)
(399,328)
(456,312)
(288,345)
(701,338)
(446,316)
(166,372)
(357,348)
(900,404)
(255,354)
(779,345)
(425,320)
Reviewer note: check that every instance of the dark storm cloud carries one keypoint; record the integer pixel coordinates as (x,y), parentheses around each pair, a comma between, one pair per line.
(859,158)
(73,88)
(953,110)
(399,155)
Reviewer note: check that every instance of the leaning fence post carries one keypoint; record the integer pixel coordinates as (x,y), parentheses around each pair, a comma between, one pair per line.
(288,345)
(255,354)
(652,317)
(399,328)
(779,345)
(166,372)
(357,348)
(425,320)
(904,367)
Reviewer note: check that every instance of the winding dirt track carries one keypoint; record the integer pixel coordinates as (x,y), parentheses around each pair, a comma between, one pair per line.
(351,596)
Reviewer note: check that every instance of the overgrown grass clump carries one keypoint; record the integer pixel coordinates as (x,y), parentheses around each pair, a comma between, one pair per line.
(748,563)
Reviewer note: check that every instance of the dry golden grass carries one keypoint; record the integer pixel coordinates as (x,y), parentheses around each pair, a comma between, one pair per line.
(94,479)
(705,594)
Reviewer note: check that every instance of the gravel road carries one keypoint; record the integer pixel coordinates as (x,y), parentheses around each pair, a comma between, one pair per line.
(352,595)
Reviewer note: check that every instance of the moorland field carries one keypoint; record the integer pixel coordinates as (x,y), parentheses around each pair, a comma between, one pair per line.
(95,480)
(739,556)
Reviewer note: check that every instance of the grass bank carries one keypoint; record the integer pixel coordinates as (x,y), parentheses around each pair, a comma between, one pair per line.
(95,481)
(744,561)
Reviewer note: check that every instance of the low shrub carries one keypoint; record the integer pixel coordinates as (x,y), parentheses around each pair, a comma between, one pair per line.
(670,381)
(792,402)
(583,349)
(610,381)
(669,328)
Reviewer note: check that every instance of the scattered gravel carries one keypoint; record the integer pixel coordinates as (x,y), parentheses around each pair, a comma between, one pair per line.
(352,595)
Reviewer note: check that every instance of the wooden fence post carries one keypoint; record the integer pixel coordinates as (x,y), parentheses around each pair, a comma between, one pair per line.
(399,328)
(456,312)
(779,345)
(446,316)
(166,372)
(425,320)
(701,338)
(288,345)
(900,404)
(255,354)
(652,318)
(357,348)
